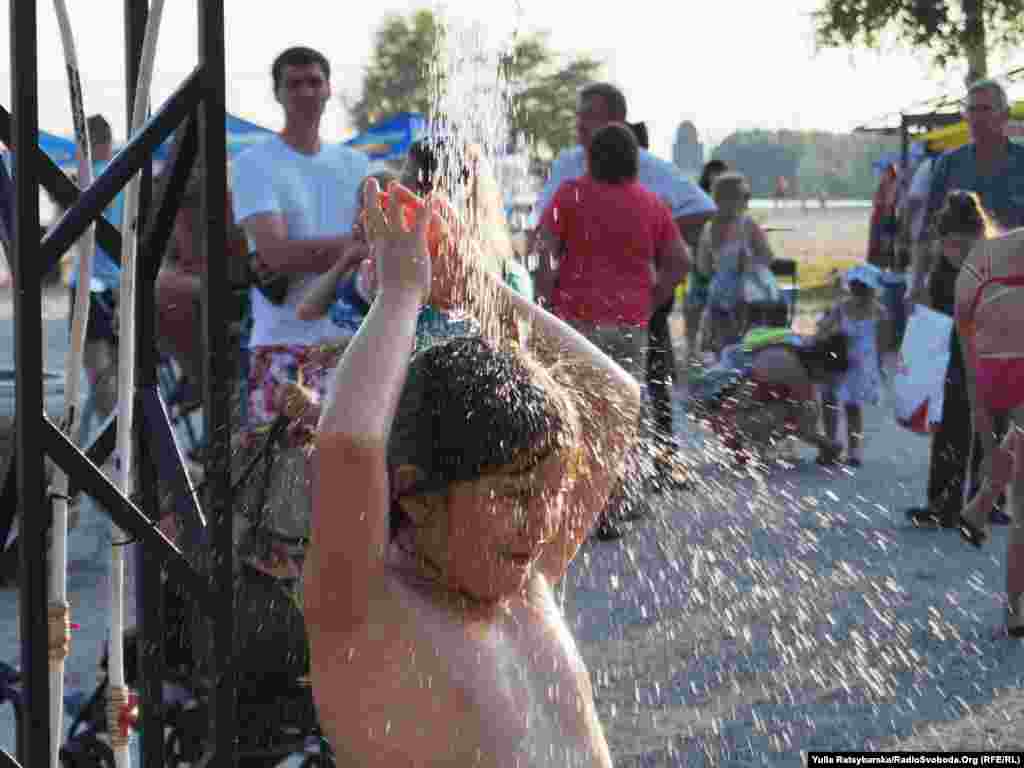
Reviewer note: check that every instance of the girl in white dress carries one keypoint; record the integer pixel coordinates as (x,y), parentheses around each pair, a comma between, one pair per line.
(864,321)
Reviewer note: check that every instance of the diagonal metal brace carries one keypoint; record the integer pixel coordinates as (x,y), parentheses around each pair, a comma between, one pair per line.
(127,516)
(169,463)
(64,191)
(122,168)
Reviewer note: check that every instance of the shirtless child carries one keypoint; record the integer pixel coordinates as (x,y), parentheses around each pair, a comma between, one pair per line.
(450,493)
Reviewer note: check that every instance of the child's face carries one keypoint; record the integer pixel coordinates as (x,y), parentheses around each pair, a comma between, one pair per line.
(498,526)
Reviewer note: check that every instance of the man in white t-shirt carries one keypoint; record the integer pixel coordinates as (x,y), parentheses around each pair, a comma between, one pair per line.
(598,105)
(297,199)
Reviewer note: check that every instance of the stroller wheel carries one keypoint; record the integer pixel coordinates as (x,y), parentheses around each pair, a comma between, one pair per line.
(318,761)
(86,751)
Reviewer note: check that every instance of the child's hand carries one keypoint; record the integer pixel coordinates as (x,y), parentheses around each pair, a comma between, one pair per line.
(403,263)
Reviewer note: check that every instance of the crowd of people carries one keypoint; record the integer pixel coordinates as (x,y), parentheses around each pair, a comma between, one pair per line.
(471,424)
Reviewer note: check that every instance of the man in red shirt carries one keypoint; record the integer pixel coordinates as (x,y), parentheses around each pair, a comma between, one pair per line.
(618,252)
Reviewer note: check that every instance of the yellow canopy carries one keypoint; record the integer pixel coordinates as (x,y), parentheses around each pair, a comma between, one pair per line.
(956,135)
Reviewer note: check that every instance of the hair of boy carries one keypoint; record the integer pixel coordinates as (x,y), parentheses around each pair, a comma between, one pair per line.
(712,167)
(99,131)
(987,84)
(963,214)
(298,56)
(612,154)
(612,95)
(469,409)
(827,355)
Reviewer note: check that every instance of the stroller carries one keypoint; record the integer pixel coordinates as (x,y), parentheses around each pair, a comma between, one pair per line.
(719,390)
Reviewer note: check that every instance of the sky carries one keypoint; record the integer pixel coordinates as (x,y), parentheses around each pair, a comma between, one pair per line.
(725,65)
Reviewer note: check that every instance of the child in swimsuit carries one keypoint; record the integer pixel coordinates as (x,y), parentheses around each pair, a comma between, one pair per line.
(451,492)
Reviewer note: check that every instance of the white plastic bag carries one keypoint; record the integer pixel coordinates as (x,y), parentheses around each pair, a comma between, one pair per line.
(920,379)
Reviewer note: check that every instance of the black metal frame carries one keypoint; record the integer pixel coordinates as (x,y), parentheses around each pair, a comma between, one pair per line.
(201,94)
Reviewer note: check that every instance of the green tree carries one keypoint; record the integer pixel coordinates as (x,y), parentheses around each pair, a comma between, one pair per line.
(543,87)
(398,76)
(543,107)
(948,29)
(838,164)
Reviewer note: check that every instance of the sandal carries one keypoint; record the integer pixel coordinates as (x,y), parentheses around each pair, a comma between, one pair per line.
(1015,615)
(973,531)
(829,456)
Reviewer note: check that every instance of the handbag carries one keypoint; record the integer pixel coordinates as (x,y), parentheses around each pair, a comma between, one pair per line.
(920,378)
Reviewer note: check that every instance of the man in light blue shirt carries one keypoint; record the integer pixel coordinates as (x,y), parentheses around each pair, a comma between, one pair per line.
(598,105)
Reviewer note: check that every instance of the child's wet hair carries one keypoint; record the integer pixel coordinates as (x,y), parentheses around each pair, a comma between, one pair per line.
(470,409)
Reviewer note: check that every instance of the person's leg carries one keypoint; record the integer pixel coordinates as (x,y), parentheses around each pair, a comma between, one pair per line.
(950,449)
(625,345)
(1015,541)
(692,314)
(829,412)
(854,432)
(805,416)
(661,373)
(100,360)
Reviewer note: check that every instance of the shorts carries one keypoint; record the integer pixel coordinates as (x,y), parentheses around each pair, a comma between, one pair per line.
(273,366)
(102,307)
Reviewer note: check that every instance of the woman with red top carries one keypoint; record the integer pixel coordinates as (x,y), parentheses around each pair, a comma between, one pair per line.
(617,250)
(989,311)
(614,254)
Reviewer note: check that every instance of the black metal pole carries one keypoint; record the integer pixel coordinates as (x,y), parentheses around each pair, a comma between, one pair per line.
(904,143)
(217,369)
(149,595)
(28,363)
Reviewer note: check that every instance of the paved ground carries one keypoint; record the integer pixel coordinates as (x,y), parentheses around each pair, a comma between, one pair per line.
(760,615)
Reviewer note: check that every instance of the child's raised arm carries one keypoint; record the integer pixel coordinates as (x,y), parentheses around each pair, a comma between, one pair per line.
(351,498)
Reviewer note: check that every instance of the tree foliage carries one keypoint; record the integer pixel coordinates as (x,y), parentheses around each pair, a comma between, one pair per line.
(543,84)
(838,164)
(398,76)
(947,29)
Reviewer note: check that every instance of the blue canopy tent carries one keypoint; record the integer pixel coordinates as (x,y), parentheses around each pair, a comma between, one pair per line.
(390,139)
(60,149)
(240,135)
